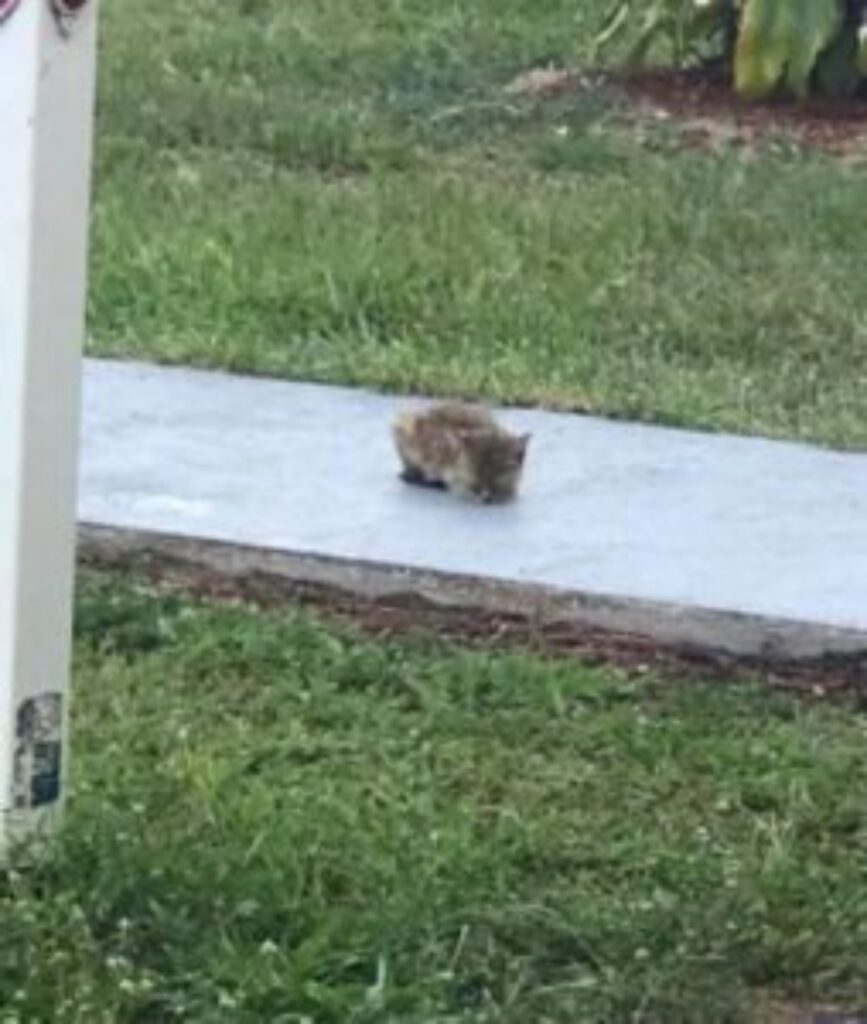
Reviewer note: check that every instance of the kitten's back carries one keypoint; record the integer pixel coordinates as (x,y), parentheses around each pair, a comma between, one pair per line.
(437,430)
(459,416)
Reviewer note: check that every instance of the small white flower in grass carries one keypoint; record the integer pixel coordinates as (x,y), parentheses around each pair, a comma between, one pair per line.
(562,130)
(268,948)
(247,908)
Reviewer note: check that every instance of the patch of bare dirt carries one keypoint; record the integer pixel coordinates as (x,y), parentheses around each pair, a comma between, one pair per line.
(541,83)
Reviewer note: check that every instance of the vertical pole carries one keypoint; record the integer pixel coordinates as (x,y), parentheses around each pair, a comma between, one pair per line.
(47,63)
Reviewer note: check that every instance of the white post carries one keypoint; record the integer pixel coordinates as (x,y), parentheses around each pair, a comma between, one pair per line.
(47,60)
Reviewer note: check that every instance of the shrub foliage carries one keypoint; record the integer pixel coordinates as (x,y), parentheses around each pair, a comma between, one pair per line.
(770,47)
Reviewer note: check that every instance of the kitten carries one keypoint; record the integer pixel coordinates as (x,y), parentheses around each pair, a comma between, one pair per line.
(460,447)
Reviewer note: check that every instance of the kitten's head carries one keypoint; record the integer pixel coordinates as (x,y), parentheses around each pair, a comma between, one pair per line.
(495,462)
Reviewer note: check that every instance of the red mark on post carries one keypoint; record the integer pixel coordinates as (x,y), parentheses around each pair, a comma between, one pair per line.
(68,7)
(6,9)
(65,11)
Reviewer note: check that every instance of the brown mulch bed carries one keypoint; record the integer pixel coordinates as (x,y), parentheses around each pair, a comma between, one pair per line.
(836,126)
(702,103)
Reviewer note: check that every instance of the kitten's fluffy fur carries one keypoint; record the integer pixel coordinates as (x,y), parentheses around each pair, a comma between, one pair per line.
(460,447)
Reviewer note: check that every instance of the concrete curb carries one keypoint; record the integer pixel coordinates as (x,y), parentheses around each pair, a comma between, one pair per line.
(704,631)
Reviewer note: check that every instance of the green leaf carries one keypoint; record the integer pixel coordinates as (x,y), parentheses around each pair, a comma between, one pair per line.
(655,20)
(612,26)
(779,42)
(837,71)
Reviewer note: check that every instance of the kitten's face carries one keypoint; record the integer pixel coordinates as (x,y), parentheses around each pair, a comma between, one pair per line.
(497,462)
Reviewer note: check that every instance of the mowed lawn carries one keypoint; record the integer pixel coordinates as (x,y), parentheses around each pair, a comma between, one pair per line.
(343,191)
(276,820)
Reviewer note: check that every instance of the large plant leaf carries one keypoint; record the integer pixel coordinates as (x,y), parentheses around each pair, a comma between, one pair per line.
(837,72)
(779,42)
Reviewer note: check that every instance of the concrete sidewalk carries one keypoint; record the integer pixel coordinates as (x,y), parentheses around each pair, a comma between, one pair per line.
(742,544)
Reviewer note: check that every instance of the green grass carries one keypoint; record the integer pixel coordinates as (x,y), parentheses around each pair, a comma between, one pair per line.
(276,820)
(342,191)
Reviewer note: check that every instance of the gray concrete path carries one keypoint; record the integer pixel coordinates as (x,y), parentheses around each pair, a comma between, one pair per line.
(695,521)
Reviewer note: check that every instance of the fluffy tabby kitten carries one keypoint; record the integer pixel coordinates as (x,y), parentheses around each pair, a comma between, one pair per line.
(460,447)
